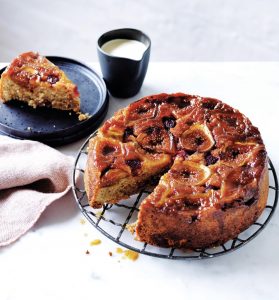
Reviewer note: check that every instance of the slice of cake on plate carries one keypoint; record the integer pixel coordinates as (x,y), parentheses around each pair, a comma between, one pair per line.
(33,79)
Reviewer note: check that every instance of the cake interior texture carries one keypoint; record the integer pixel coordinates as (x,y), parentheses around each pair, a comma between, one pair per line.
(206,160)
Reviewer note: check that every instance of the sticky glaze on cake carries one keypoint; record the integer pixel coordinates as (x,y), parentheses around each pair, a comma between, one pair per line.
(207,161)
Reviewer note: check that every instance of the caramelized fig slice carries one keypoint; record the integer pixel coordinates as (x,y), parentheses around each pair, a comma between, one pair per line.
(141,110)
(151,135)
(239,183)
(114,127)
(238,153)
(181,104)
(104,151)
(190,173)
(197,138)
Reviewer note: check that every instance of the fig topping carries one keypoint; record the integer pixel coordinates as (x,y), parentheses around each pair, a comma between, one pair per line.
(169,122)
(135,165)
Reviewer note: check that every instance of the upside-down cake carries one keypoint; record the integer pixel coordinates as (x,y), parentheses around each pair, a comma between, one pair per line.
(207,161)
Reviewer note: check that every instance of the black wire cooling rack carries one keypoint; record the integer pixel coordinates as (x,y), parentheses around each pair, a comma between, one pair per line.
(113,220)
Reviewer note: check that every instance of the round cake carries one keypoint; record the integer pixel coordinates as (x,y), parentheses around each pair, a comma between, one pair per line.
(206,162)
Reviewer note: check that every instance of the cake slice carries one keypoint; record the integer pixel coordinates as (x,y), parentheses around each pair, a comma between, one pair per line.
(116,170)
(33,79)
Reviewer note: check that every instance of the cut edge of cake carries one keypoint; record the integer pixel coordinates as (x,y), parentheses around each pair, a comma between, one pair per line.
(97,189)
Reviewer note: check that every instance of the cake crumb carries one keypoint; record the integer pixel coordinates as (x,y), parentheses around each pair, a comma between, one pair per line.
(131,227)
(132,255)
(119,250)
(87,252)
(110,253)
(95,242)
(82,221)
(83,117)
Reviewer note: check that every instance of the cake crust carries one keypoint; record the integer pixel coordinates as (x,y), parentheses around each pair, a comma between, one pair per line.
(214,179)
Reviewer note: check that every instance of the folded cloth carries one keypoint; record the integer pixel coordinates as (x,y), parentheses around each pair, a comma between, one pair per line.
(32,176)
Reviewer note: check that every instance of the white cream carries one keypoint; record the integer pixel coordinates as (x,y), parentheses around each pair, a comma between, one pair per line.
(132,49)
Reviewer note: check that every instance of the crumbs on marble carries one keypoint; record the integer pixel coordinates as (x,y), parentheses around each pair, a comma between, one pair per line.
(95,242)
(110,253)
(82,221)
(132,255)
(87,252)
(119,250)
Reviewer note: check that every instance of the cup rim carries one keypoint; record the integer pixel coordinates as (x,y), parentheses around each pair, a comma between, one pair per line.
(118,31)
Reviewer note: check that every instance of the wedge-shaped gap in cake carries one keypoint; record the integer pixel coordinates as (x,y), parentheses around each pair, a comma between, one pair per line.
(132,212)
(130,240)
(109,227)
(144,194)
(131,203)
(129,233)
(117,213)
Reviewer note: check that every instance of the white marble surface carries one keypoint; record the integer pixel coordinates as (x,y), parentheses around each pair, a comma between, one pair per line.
(49,262)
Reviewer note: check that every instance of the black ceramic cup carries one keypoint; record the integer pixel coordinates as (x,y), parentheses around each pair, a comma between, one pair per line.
(123,76)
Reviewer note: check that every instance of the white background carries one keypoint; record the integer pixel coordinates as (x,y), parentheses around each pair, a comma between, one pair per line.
(179,29)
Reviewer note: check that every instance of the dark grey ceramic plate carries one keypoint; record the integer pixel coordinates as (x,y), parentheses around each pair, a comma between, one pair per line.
(56,127)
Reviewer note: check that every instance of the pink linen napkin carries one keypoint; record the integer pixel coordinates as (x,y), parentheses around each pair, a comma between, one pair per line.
(32,176)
